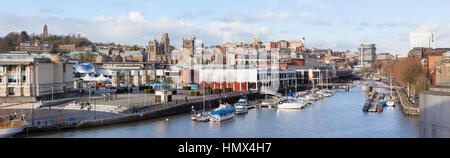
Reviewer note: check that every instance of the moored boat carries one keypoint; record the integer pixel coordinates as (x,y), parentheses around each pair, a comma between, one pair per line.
(11,125)
(224,112)
(366,107)
(242,103)
(390,102)
(289,103)
(201,117)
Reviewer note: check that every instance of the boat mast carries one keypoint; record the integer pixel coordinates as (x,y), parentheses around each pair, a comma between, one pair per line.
(390,81)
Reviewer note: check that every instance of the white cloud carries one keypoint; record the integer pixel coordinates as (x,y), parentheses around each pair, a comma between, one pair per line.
(441,33)
(281,16)
(313,3)
(133,28)
(235,31)
(275,2)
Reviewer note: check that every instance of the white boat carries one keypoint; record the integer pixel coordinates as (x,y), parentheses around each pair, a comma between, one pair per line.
(241,104)
(200,116)
(11,125)
(224,112)
(289,103)
(307,99)
(390,102)
(241,110)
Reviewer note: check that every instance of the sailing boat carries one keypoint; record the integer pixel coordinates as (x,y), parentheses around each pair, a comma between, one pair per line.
(10,125)
(200,116)
(390,100)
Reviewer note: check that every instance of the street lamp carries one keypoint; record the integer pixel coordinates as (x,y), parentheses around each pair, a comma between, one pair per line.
(95,109)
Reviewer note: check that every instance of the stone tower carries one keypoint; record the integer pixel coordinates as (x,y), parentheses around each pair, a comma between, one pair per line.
(189,46)
(153,50)
(45,35)
(165,43)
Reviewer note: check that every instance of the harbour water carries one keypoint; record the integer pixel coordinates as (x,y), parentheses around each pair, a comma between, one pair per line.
(339,116)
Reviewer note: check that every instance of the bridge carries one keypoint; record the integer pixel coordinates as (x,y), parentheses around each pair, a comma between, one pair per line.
(270,92)
(358,84)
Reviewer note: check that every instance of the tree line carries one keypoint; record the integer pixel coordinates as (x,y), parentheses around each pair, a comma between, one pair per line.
(409,72)
(13,39)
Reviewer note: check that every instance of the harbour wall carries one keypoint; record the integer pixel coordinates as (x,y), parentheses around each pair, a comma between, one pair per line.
(145,113)
(407,110)
(434,118)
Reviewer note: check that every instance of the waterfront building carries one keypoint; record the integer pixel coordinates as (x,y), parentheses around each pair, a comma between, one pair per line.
(367,54)
(131,73)
(34,75)
(245,78)
(421,40)
(38,47)
(443,69)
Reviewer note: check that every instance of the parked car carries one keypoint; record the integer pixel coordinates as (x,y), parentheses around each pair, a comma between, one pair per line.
(108,86)
(123,85)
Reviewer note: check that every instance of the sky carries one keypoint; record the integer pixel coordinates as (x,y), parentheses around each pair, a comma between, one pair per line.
(325,24)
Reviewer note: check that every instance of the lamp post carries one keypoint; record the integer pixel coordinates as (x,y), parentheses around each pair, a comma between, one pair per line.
(89,91)
(95,109)
(52,94)
(129,100)
(32,113)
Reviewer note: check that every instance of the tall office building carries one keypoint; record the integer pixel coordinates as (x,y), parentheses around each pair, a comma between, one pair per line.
(422,40)
(367,54)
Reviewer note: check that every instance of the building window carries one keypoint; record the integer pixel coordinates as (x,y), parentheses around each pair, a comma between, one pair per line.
(12,91)
(11,79)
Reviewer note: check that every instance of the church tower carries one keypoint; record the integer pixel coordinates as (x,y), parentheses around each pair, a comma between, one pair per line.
(165,43)
(45,32)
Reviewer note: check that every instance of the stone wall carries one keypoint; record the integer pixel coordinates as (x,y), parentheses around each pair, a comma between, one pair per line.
(140,115)
(434,114)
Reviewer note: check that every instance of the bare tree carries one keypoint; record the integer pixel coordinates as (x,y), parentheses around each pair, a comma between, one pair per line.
(410,73)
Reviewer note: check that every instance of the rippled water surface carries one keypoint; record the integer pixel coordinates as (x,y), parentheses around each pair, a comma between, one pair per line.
(339,116)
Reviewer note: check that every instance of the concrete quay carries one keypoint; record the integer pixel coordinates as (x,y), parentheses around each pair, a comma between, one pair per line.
(85,119)
(434,108)
(406,106)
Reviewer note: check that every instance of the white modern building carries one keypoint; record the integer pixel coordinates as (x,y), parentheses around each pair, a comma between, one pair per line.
(422,40)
